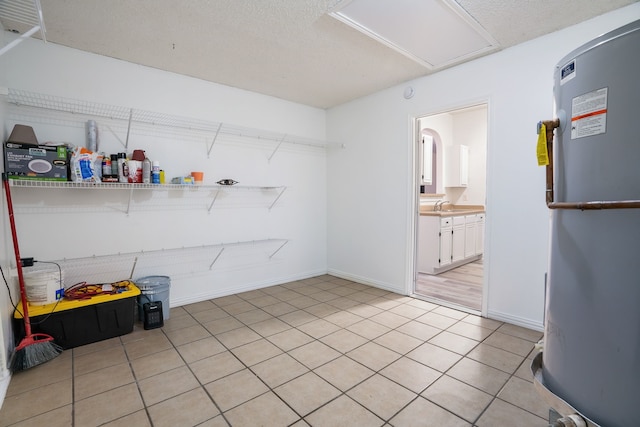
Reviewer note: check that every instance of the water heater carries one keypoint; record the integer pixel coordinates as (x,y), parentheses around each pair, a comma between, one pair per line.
(591,356)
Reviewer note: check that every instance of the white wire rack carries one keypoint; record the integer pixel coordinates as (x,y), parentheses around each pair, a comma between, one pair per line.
(174,262)
(191,196)
(215,130)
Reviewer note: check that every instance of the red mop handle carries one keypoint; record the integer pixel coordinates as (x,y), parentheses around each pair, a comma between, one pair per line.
(23,293)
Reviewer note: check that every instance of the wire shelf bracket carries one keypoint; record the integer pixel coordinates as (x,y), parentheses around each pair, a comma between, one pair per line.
(216,258)
(213,141)
(134,116)
(277,197)
(277,148)
(213,201)
(278,250)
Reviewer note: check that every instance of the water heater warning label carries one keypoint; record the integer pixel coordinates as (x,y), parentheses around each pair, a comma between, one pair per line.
(589,114)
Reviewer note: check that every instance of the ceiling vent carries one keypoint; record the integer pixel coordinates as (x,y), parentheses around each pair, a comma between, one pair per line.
(434,33)
(18,15)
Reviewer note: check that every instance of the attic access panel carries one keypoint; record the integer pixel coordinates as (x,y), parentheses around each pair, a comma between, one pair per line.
(17,16)
(434,33)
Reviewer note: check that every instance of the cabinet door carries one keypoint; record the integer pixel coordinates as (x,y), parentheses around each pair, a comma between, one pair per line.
(470,236)
(445,245)
(428,244)
(457,244)
(457,166)
(464,165)
(480,234)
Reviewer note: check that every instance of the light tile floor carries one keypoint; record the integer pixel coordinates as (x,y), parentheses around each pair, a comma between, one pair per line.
(317,352)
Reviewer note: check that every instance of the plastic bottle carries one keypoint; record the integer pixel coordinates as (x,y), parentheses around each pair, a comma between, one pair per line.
(97,166)
(106,166)
(146,171)
(114,165)
(92,136)
(155,172)
(123,176)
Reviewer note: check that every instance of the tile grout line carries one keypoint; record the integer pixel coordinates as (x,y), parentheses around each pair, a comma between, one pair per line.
(202,386)
(73,388)
(458,320)
(377,295)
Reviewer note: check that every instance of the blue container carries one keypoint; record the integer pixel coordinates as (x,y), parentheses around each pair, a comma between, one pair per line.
(152,289)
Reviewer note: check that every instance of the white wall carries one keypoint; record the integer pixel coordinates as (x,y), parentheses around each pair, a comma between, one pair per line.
(470,129)
(442,124)
(467,127)
(371,194)
(57,224)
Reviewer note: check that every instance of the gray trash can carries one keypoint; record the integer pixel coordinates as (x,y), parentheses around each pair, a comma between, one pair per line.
(153,289)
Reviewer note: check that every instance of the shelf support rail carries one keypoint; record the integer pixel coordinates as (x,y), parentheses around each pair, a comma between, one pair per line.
(277,197)
(214,140)
(278,249)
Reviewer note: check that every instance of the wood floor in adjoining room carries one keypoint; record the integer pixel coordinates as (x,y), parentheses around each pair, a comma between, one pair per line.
(462,285)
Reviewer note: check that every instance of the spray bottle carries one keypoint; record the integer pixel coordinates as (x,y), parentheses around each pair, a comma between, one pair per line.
(146,171)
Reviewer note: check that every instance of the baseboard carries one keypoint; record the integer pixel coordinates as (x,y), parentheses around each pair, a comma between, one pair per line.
(365,281)
(515,320)
(4,386)
(218,293)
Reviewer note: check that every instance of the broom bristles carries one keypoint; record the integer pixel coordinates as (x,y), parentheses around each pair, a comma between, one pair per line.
(32,352)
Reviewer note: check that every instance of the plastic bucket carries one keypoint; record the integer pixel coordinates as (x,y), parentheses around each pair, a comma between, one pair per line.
(153,289)
(42,285)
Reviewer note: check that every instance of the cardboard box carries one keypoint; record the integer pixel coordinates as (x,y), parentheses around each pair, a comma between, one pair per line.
(35,162)
(79,322)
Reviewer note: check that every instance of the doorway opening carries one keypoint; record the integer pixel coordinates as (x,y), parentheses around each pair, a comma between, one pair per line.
(451,148)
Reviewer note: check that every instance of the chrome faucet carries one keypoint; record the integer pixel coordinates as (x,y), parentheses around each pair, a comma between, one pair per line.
(438,205)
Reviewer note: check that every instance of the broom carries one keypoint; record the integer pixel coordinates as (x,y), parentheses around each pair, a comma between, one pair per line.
(34,349)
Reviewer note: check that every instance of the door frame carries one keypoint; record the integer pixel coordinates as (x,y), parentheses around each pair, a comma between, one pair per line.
(414,211)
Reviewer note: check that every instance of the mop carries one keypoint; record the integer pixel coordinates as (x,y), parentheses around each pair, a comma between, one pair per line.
(34,349)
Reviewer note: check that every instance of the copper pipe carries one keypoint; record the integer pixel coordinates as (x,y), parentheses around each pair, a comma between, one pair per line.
(550,126)
(594,205)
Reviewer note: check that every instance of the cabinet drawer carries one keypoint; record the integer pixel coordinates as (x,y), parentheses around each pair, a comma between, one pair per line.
(445,222)
(458,220)
(471,218)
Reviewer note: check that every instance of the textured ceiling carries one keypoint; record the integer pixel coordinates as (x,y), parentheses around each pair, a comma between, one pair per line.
(290,49)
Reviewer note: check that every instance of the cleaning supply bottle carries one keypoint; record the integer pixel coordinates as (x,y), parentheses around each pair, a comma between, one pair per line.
(123,170)
(155,172)
(106,165)
(146,171)
(114,165)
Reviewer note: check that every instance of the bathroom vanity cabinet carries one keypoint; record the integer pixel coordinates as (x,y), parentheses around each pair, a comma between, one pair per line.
(449,239)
